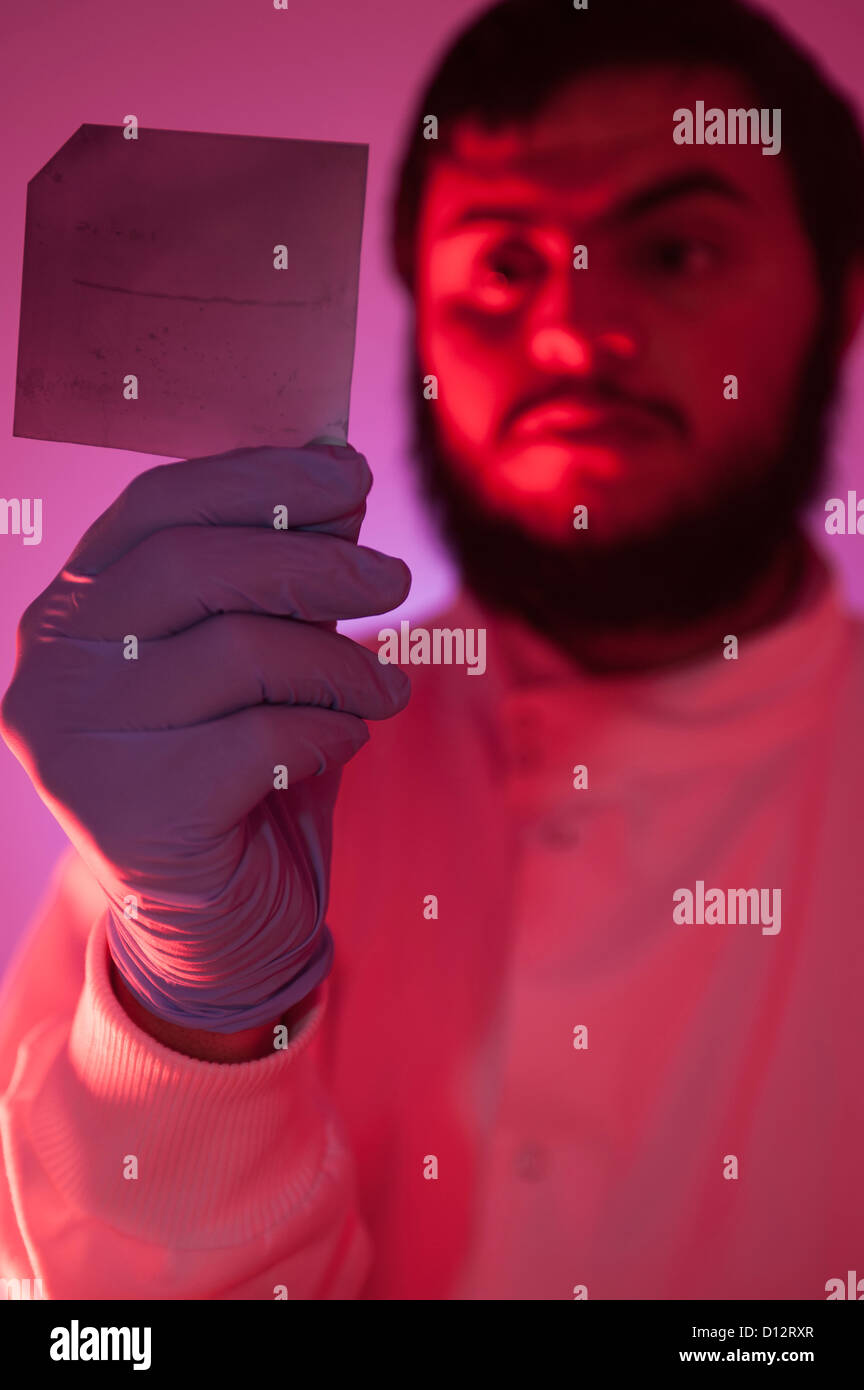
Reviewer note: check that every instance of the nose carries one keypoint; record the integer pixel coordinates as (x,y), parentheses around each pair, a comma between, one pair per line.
(575,328)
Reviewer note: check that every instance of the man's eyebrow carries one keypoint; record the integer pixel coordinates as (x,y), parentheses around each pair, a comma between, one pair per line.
(629,209)
(670,190)
(492,213)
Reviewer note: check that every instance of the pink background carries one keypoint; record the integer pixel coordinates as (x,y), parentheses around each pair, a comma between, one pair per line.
(324,70)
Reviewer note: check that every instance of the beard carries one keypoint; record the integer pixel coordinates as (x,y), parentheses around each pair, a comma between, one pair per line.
(689,568)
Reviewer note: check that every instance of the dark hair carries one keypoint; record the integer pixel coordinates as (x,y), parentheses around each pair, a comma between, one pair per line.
(506,64)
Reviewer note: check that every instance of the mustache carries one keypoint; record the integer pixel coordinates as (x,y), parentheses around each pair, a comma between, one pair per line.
(597,394)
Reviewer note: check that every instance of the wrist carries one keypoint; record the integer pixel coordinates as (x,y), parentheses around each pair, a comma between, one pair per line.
(247,1046)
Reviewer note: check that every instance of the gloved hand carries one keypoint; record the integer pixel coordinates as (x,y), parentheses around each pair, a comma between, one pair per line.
(163,767)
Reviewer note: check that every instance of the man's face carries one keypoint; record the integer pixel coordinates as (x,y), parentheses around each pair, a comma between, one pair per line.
(604,386)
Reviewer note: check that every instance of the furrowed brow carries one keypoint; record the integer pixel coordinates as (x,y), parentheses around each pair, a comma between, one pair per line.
(636,205)
(691,185)
(492,213)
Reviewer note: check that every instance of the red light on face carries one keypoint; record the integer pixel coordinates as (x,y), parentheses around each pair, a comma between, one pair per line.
(562,348)
(542,482)
(621,344)
(540,470)
(552,467)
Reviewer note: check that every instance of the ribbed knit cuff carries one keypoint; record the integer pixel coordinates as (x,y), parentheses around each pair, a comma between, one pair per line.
(224,1150)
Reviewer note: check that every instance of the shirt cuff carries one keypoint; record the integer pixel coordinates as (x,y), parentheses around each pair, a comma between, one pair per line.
(223,1151)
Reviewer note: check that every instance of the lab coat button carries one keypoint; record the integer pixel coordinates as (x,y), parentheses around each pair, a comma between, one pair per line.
(559,834)
(531,1162)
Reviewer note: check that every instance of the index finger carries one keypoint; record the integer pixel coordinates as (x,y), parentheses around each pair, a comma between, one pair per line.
(318,486)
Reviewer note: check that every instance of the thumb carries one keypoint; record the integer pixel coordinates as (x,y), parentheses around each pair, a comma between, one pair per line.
(327,439)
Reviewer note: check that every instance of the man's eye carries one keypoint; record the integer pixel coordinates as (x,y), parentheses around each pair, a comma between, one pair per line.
(679,257)
(502,277)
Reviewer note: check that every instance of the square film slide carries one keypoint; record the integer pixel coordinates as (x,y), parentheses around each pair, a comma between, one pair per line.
(187,293)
